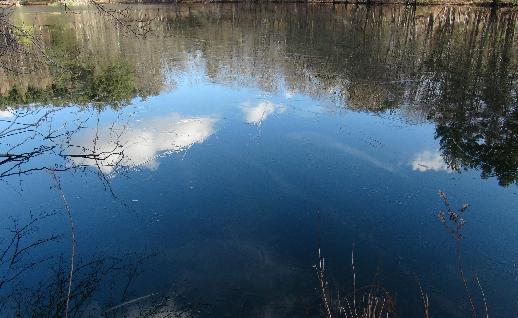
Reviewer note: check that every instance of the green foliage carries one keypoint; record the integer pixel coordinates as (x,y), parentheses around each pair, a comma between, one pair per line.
(112,85)
(24,34)
(476,112)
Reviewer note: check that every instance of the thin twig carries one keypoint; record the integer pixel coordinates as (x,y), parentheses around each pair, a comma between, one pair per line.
(73,239)
(483,295)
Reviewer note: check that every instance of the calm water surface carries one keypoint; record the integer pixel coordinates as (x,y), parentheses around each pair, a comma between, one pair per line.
(203,166)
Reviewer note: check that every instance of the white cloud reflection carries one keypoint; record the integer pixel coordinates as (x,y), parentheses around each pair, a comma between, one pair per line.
(260,112)
(6,114)
(429,161)
(144,142)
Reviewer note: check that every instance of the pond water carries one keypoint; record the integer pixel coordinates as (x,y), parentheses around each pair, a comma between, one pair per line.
(201,168)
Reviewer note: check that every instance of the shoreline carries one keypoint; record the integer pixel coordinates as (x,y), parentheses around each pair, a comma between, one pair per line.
(476,3)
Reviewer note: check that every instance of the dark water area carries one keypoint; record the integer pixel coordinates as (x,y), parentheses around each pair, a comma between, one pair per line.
(201,168)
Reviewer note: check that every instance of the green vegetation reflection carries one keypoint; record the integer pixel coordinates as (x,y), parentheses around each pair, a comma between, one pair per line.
(456,67)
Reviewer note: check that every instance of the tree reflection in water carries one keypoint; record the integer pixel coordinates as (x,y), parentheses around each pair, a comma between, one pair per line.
(454,67)
(93,275)
(374,59)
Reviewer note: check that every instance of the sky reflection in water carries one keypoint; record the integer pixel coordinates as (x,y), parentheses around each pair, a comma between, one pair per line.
(211,179)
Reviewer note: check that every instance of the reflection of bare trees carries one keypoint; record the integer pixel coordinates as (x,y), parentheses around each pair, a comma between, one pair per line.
(101,285)
(47,298)
(20,47)
(454,66)
(18,136)
(29,136)
(18,244)
(125,19)
(20,42)
(477,108)
(372,58)
(143,142)
(62,139)
(44,139)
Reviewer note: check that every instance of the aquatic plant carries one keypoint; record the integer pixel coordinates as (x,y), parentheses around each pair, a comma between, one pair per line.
(371,301)
(453,221)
